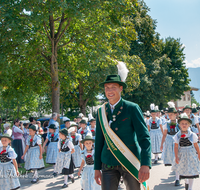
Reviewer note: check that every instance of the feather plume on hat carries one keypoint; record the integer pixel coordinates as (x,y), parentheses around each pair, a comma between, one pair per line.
(148,113)
(156,108)
(183,115)
(171,104)
(80,114)
(122,70)
(152,106)
(90,116)
(194,105)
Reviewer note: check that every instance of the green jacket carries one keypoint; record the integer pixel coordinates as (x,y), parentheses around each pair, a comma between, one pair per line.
(130,128)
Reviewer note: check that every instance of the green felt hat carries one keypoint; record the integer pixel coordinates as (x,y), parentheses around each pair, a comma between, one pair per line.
(6,136)
(187,107)
(92,120)
(194,110)
(79,117)
(184,116)
(83,121)
(74,124)
(88,138)
(33,127)
(52,126)
(113,79)
(64,131)
(172,110)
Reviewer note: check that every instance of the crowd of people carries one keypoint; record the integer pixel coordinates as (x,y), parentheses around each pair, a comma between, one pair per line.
(66,149)
(175,134)
(116,145)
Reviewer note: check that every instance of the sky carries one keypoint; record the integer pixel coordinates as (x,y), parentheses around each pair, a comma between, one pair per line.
(179,19)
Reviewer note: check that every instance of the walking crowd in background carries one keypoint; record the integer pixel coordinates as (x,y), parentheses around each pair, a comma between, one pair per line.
(174,138)
(66,149)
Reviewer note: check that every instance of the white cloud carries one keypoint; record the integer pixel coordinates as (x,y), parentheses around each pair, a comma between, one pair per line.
(193,64)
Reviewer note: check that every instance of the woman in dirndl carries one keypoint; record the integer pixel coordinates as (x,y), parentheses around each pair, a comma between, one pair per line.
(64,162)
(170,128)
(87,178)
(155,130)
(34,160)
(52,149)
(8,165)
(18,142)
(187,153)
(76,140)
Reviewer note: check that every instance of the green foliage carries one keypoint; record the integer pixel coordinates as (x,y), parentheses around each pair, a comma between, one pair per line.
(14,104)
(166,77)
(67,45)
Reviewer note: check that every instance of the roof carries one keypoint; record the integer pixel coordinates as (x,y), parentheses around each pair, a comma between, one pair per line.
(194,89)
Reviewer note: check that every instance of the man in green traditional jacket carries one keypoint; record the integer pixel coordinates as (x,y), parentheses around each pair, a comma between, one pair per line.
(126,120)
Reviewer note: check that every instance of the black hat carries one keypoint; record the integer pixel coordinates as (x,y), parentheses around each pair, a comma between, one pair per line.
(64,132)
(52,126)
(83,121)
(6,136)
(113,79)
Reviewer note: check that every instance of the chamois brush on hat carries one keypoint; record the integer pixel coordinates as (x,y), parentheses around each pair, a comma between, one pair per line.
(171,108)
(184,116)
(194,108)
(152,107)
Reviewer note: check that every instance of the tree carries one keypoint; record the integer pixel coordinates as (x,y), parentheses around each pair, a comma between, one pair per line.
(173,48)
(13,104)
(166,77)
(62,43)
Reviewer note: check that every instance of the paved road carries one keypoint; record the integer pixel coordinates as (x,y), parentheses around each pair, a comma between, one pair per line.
(161,179)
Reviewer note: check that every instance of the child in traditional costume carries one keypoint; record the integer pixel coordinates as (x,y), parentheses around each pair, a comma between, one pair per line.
(195,119)
(84,131)
(170,129)
(187,153)
(76,140)
(87,178)
(64,162)
(52,150)
(155,130)
(92,127)
(34,160)
(8,165)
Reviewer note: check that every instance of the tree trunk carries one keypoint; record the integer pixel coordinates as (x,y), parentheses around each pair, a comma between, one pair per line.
(55,84)
(83,109)
(55,94)
(82,102)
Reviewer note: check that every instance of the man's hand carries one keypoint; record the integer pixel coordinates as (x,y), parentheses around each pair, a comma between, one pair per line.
(97,177)
(143,174)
